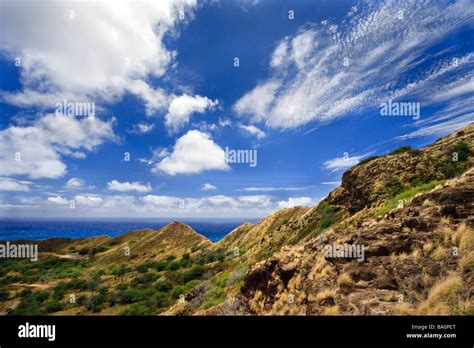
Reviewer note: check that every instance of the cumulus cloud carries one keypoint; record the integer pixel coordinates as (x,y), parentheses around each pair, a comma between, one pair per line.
(208,187)
(181,108)
(10,184)
(193,153)
(36,150)
(161,201)
(209,202)
(90,49)
(326,71)
(296,201)
(88,200)
(115,185)
(75,183)
(58,200)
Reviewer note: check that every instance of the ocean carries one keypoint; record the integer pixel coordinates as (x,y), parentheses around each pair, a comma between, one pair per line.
(38,229)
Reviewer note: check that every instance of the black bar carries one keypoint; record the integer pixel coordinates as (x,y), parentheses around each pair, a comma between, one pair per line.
(289,331)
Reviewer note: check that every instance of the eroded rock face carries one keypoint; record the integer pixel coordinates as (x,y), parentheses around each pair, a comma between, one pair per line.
(399,266)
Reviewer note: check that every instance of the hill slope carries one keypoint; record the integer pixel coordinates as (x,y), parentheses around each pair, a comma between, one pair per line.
(399,228)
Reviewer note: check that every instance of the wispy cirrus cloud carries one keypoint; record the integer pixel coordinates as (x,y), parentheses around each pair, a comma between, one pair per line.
(326,70)
(341,163)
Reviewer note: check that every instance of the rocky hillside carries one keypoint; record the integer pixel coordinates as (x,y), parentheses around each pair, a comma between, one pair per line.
(413,213)
(396,237)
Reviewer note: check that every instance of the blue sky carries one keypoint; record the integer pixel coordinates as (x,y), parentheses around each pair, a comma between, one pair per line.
(172,84)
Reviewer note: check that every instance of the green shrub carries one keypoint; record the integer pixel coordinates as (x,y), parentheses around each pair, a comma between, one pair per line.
(161,266)
(145,279)
(84,251)
(41,296)
(135,295)
(194,273)
(462,150)
(178,290)
(164,286)
(143,268)
(4,295)
(53,306)
(137,309)
(122,286)
(325,222)
(173,266)
(97,300)
(159,299)
(119,270)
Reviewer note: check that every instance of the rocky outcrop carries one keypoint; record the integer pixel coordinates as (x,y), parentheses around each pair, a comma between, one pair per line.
(406,253)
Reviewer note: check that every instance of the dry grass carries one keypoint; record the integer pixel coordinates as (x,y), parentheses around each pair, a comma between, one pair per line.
(443,297)
(344,280)
(427,247)
(445,220)
(428,281)
(403,308)
(466,263)
(326,294)
(333,310)
(439,253)
(466,238)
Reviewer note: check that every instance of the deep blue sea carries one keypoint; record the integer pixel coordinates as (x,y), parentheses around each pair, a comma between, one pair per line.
(36,229)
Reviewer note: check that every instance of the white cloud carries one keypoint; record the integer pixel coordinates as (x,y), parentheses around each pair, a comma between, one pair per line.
(208,203)
(208,187)
(143,128)
(162,201)
(274,189)
(343,162)
(9,184)
(36,150)
(386,59)
(115,185)
(58,200)
(441,128)
(105,50)
(88,200)
(193,153)
(181,108)
(257,200)
(257,102)
(75,183)
(448,119)
(296,201)
(250,129)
